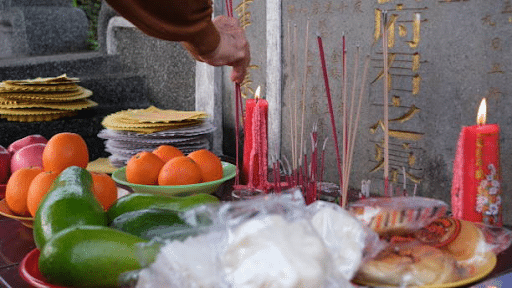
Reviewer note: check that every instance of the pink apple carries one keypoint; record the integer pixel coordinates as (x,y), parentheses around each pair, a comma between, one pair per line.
(5,165)
(31,155)
(25,141)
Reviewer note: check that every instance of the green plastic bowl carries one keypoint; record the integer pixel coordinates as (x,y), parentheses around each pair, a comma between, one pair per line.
(177,190)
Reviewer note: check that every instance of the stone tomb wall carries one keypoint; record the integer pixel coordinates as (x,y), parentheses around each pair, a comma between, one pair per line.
(446,56)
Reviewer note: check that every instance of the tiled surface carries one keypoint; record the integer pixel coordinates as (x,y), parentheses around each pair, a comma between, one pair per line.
(15,242)
(10,277)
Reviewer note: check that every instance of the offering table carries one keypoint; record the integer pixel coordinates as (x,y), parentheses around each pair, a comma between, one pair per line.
(16,241)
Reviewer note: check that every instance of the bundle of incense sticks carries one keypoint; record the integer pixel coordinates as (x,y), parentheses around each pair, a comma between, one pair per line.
(304,177)
(351,115)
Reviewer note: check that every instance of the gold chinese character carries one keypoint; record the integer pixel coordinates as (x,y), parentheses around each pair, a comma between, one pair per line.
(486,20)
(416,80)
(507,7)
(328,7)
(415,31)
(291,10)
(496,43)
(314,9)
(494,93)
(357,6)
(342,7)
(402,30)
(496,68)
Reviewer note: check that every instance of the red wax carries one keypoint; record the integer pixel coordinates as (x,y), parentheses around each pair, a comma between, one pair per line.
(254,169)
(481,187)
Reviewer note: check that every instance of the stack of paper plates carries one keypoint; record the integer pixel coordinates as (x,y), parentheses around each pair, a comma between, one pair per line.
(129,132)
(42,99)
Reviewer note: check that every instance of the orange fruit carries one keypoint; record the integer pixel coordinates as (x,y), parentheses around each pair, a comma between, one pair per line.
(104,188)
(16,189)
(167,152)
(180,170)
(38,189)
(64,150)
(209,163)
(143,168)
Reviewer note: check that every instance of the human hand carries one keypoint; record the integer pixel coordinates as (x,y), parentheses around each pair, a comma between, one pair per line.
(233,49)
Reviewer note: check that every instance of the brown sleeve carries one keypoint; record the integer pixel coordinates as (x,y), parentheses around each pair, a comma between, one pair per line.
(188,21)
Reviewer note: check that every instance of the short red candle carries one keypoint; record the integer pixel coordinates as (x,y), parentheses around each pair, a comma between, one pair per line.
(478,197)
(254,169)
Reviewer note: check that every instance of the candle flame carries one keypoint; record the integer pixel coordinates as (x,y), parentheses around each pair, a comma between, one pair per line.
(257,93)
(482,113)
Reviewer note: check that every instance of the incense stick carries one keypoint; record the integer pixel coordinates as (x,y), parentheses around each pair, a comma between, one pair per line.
(344,107)
(229,7)
(238,108)
(322,161)
(349,119)
(386,104)
(314,149)
(331,112)
(295,92)
(348,129)
(237,132)
(354,130)
(289,61)
(304,87)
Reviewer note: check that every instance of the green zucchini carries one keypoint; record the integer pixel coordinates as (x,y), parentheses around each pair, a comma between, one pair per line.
(138,201)
(140,221)
(91,256)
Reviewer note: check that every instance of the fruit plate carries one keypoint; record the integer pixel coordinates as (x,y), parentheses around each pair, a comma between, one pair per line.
(5,211)
(229,172)
(29,271)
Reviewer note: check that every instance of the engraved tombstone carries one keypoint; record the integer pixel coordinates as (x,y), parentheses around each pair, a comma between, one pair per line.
(443,57)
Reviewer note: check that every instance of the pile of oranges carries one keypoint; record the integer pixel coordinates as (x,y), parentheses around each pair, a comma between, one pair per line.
(27,187)
(167,165)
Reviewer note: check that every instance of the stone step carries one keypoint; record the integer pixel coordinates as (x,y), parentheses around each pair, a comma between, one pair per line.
(119,90)
(73,64)
(113,89)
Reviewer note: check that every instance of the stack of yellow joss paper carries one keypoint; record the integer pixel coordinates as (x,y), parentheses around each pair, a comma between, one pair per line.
(128,132)
(152,119)
(43,99)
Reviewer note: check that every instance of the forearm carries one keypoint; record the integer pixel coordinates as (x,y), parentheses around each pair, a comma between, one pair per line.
(188,21)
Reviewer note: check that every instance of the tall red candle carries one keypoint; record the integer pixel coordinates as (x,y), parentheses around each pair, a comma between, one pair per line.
(476,190)
(254,169)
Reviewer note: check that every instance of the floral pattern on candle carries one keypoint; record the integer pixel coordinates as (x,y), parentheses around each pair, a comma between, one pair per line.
(489,197)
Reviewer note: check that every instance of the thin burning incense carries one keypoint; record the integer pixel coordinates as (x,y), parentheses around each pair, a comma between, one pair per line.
(331,112)
(237,132)
(386,104)
(304,86)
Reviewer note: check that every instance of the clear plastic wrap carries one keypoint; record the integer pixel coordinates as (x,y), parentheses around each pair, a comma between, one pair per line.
(276,240)
(397,215)
(191,263)
(349,240)
(497,239)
